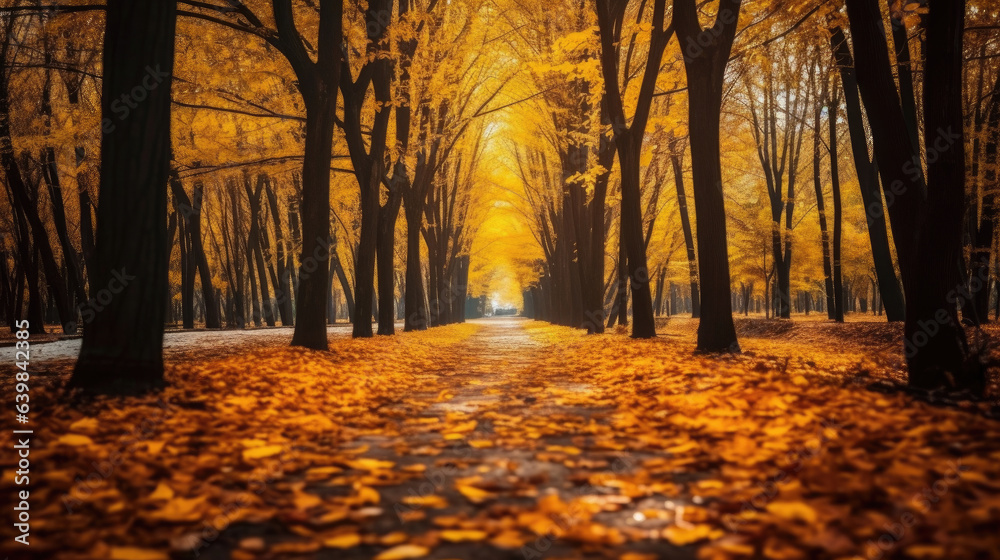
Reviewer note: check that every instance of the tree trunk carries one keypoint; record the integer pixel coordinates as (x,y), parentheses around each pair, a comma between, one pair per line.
(985,232)
(415,311)
(928,249)
(132,211)
(386,253)
(283,287)
(319,92)
(868,177)
(821,200)
(838,312)
(705,69)
(22,200)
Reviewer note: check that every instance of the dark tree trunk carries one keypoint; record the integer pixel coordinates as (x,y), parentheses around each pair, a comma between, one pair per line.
(984,235)
(187,263)
(705,69)
(29,272)
(628,142)
(415,311)
(643,325)
(283,286)
(86,230)
(368,161)
(594,300)
(386,253)
(658,293)
(296,243)
(27,205)
(345,284)
(942,362)
(868,177)
(838,211)
(50,174)
(675,161)
(929,245)
(74,274)
(318,83)
(255,254)
(132,212)
(619,307)
(821,200)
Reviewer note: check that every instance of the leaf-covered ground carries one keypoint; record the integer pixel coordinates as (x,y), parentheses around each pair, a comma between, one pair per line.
(516,439)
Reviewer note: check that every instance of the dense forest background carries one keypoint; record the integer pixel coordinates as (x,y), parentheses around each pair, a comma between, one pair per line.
(591,165)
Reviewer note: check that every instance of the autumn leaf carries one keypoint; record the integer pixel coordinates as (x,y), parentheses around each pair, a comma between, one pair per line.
(793,511)
(74,440)
(403,551)
(261,452)
(688,535)
(346,540)
(134,553)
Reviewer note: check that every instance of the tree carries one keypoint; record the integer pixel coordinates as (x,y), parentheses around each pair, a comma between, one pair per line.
(368,161)
(131,243)
(928,246)
(778,128)
(26,205)
(317,81)
(705,67)
(628,142)
(831,294)
(868,177)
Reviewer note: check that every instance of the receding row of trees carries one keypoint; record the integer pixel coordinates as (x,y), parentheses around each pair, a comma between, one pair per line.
(916,109)
(265,243)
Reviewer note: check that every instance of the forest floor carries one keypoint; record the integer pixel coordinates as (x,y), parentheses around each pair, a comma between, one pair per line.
(509,438)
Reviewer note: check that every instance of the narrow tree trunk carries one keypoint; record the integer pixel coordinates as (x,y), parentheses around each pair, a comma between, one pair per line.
(283,287)
(838,313)
(675,162)
(415,312)
(386,253)
(320,96)
(868,181)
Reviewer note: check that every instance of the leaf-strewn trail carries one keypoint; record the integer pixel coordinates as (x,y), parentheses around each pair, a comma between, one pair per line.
(509,438)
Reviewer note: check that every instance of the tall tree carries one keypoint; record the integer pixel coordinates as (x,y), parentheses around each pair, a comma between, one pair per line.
(928,245)
(838,211)
(675,162)
(831,295)
(368,158)
(705,67)
(318,82)
(132,209)
(628,142)
(868,180)
(24,199)
(778,128)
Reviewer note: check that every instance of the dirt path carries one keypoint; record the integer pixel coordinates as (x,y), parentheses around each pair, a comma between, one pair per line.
(515,441)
